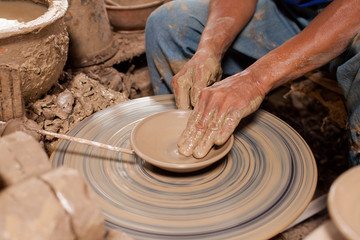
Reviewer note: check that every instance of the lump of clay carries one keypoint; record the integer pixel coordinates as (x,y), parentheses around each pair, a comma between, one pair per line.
(78,201)
(21,157)
(22,124)
(30,210)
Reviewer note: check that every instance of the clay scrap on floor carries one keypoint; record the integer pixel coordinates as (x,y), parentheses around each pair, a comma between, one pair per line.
(37,202)
(70,103)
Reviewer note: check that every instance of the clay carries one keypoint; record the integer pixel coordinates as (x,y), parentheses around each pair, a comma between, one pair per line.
(343,203)
(14,13)
(11,105)
(166,128)
(80,98)
(111,78)
(140,84)
(37,50)
(22,124)
(78,200)
(129,16)
(30,210)
(21,157)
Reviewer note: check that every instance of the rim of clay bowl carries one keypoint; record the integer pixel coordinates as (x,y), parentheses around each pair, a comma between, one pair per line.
(177,167)
(56,10)
(135,7)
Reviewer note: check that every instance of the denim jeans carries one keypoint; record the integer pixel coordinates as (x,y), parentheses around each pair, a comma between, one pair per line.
(173,32)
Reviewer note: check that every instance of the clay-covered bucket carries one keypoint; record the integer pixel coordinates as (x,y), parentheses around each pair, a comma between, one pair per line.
(91,38)
(35,51)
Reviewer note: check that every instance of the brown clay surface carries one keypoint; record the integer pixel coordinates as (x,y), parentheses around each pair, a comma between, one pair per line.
(165,129)
(21,157)
(71,103)
(37,51)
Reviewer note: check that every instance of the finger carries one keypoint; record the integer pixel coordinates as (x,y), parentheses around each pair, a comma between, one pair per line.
(182,85)
(190,127)
(196,133)
(231,121)
(208,140)
(201,81)
(195,92)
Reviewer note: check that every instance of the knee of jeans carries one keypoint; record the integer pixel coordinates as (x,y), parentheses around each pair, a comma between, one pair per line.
(160,18)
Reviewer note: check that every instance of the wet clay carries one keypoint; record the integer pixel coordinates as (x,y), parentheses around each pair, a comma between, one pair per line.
(36,51)
(166,128)
(13,13)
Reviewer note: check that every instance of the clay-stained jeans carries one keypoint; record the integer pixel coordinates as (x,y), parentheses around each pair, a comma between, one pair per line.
(173,32)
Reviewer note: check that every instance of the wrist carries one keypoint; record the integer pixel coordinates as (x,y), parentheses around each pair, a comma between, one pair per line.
(207,53)
(263,81)
(212,50)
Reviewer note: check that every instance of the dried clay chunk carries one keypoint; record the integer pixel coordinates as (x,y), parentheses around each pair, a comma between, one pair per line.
(21,157)
(79,202)
(30,210)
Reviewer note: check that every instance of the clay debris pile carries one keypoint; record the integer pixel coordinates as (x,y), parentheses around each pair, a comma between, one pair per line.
(78,98)
(39,203)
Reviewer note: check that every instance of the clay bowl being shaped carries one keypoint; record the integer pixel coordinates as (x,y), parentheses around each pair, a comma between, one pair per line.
(154,139)
(36,49)
(343,203)
(130,15)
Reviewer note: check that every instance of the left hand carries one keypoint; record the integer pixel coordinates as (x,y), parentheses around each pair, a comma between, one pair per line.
(218,112)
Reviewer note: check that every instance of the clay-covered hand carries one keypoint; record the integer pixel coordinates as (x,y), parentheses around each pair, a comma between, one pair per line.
(218,112)
(202,70)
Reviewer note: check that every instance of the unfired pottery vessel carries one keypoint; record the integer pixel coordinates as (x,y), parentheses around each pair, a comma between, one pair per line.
(130,15)
(91,38)
(155,138)
(37,50)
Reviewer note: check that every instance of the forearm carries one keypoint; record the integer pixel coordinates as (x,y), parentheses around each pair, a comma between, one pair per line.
(323,39)
(225,20)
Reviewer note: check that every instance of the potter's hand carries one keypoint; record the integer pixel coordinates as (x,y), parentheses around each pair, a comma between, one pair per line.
(218,112)
(200,71)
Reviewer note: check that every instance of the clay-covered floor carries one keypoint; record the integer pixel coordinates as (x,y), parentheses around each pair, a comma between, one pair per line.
(316,112)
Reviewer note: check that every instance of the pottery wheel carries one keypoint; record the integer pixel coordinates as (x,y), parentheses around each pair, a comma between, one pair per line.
(256,191)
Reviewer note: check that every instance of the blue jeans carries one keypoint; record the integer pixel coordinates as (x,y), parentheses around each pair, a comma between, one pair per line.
(173,32)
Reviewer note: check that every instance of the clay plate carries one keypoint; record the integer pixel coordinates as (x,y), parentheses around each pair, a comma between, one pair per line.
(154,139)
(258,189)
(343,203)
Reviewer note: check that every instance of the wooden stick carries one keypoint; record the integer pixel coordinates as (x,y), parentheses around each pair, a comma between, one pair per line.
(81,140)
(85,141)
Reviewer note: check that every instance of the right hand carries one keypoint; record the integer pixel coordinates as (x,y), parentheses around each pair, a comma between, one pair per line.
(219,111)
(202,70)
